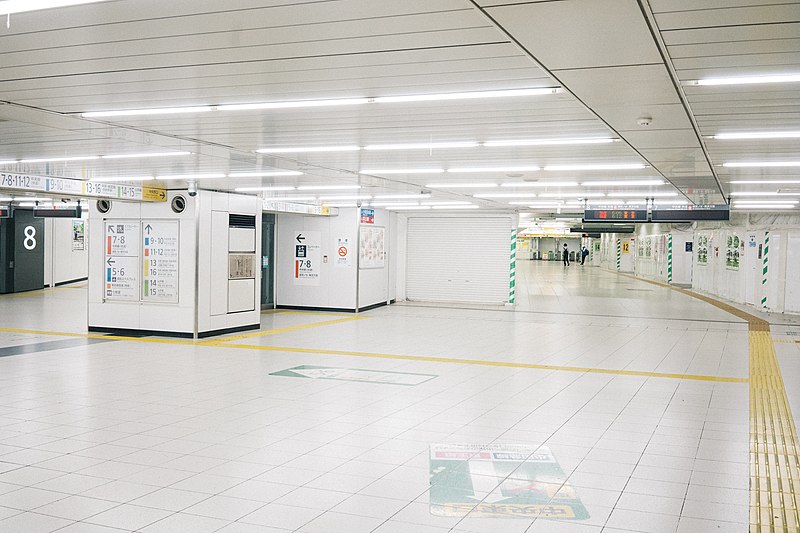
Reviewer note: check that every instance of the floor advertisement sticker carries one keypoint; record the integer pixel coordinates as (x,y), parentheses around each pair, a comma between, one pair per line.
(307,263)
(500,481)
(355,374)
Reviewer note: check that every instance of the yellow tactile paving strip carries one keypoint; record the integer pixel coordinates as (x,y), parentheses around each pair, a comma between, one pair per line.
(774,451)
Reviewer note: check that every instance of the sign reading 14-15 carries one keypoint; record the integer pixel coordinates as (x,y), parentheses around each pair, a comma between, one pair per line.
(307,258)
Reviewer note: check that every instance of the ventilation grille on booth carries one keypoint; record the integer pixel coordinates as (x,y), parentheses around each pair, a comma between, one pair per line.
(241,221)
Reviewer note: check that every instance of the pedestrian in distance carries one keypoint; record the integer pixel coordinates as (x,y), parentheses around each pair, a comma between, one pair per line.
(584,253)
(565,255)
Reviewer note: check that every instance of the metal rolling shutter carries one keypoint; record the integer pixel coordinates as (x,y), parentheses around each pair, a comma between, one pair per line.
(458,259)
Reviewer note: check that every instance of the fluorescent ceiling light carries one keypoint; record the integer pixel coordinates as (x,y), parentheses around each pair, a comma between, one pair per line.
(400,196)
(541,204)
(328,187)
(466,96)
(757,207)
(614,183)
(409,208)
(530,168)
(291,198)
(403,171)
(670,202)
(346,197)
(767,202)
(606,201)
(540,184)
(267,174)
(9,7)
(139,156)
(760,193)
(642,194)
(456,207)
(752,164)
(549,142)
(610,166)
(764,204)
(459,185)
(747,80)
(765,182)
(505,195)
(121,178)
(308,149)
(60,159)
(7,162)
(153,111)
(757,135)
(293,104)
(447,203)
(265,189)
(393,204)
(572,195)
(341,204)
(422,146)
(6,199)
(190,176)
(520,202)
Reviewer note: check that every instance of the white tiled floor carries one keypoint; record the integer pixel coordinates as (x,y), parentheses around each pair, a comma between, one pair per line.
(133,436)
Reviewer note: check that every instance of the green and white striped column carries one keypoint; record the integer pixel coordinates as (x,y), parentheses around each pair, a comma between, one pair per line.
(619,255)
(765,270)
(669,258)
(513,272)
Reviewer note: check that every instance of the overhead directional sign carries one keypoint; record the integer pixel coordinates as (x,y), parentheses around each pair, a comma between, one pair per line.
(75,187)
(691,213)
(501,481)
(355,374)
(615,215)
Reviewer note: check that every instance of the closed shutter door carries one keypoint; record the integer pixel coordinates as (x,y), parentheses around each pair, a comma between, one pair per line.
(458,259)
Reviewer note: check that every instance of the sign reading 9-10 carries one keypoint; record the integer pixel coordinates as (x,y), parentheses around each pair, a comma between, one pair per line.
(615,215)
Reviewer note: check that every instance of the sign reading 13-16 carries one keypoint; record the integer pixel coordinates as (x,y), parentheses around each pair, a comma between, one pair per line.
(160,260)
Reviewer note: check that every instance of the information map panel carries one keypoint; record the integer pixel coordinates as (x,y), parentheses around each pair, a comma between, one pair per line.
(615,215)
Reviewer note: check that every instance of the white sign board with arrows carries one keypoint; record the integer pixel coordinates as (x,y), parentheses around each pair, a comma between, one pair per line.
(160,267)
(307,263)
(121,260)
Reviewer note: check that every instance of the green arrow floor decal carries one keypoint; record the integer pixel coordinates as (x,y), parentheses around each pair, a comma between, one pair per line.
(355,374)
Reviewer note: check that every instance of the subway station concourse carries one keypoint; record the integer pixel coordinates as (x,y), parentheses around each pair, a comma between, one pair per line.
(417,266)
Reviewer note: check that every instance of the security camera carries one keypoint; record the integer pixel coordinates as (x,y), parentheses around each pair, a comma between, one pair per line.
(192,188)
(644,121)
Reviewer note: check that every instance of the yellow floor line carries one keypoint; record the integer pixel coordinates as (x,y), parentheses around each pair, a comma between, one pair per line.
(774,448)
(785,341)
(282,330)
(312,313)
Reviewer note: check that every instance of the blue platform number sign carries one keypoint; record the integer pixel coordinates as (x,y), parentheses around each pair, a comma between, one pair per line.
(367,216)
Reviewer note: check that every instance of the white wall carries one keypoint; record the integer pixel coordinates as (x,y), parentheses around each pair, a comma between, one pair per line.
(373,283)
(61,263)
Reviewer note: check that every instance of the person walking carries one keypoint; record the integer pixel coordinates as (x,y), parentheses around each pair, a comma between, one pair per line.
(584,253)
(565,255)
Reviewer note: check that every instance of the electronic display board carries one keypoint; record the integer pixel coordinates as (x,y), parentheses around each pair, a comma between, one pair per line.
(615,215)
(689,215)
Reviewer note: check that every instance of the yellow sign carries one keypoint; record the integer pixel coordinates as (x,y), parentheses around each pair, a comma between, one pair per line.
(626,247)
(151,194)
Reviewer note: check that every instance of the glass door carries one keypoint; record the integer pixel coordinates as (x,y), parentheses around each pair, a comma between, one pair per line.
(267,260)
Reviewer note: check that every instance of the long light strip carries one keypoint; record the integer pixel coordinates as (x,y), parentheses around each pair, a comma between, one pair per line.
(540,184)
(572,195)
(190,176)
(460,185)
(456,207)
(144,112)
(755,135)
(504,195)
(308,149)
(530,168)
(291,198)
(642,194)
(60,159)
(328,187)
(767,202)
(122,178)
(422,146)
(346,197)
(264,189)
(465,96)
(393,204)
(402,171)
(759,207)
(548,142)
(760,193)
(765,182)
(455,202)
(294,104)
(401,196)
(747,80)
(144,155)
(410,208)
(266,174)
(610,166)
(677,201)
(757,164)
(10,7)
(614,183)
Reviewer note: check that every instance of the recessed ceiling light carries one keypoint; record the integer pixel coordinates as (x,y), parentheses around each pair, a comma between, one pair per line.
(121,178)
(340,204)
(285,198)
(466,96)
(328,187)
(676,201)
(402,171)
(190,176)
(266,174)
(264,189)
(610,166)
(143,112)
(766,202)
(459,185)
(548,142)
(747,164)
(345,197)
(614,183)
(642,194)
(747,207)
(530,168)
(144,155)
(762,193)
(540,184)
(505,195)
(60,159)
(765,182)
(755,135)
(400,196)
(410,208)
(293,104)
(456,207)
(422,146)
(307,149)
(747,80)
(572,195)
(10,7)
(393,204)
(455,202)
